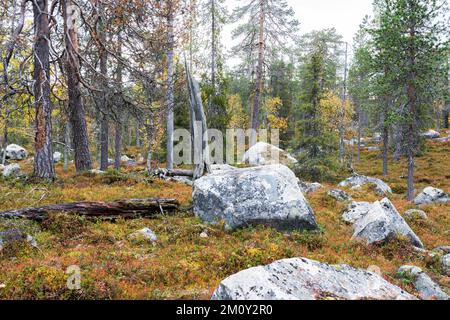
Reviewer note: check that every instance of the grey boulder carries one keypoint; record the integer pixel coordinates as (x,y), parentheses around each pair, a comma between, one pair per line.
(339,195)
(57,157)
(379,222)
(304,279)
(357,181)
(267,195)
(424,285)
(431,195)
(145,233)
(446,264)
(11,170)
(15,235)
(415,214)
(307,187)
(16,152)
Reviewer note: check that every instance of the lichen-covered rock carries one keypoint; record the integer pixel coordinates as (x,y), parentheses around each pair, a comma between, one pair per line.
(415,214)
(307,187)
(355,211)
(16,152)
(358,181)
(303,279)
(145,233)
(339,195)
(15,235)
(11,170)
(221,167)
(57,156)
(424,285)
(431,195)
(262,154)
(379,222)
(446,264)
(431,134)
(267,195)
(442,249)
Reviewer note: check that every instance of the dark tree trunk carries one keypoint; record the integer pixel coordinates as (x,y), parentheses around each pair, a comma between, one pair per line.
(170,87)
(118,145)
(43,159)
(104,143)
(104,125)
(385,149)
(83,160)
(445,115)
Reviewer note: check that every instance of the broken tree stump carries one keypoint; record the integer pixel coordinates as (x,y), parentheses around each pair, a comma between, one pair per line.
(126,209)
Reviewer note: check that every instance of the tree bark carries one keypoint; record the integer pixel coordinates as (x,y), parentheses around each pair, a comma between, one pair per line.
(104,125)
(170,86)
(83,160)
(43,159)
(133,208)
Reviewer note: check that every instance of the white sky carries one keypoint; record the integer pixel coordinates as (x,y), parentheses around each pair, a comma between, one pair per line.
(344,15)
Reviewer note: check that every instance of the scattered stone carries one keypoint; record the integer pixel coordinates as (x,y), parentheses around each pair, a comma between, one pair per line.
(443,140)
(204,234)
(442,249)
(57,157)
(111,162)
(415,214)
(262,154)
(2,285)
(16,152)
(307,187)
(145,233)
(2,167)
(185,180)
(266,195)
(303,279)
(125,158)
(11,170)
(96,171)
(15,235)
(355,211)
(446,264)
(339,195)
(358,181)
(373,149)
(424,285)
(430,134)
(432,195)
(377,138)
(379,222)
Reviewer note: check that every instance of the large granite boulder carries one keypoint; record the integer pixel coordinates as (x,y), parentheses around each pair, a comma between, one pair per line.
(358,181)
(267,195)
(431,195)
(262,154)
(11,170)
(303,279)
(425,286)
(16,152)
(379,222)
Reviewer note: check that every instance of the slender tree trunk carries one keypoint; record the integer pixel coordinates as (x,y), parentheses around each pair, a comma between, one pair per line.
(138,133)
(385,148)
(83,160)
(359,133)
(104,125)
(5,135)
(150,128)
(170,88)
(344,102)
(66,146)
(445,115)
(259,71)
(43,159)
(213,46)
(412,114)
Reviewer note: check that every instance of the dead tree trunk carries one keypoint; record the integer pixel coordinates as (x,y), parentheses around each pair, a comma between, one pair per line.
(199,128)
(118,209)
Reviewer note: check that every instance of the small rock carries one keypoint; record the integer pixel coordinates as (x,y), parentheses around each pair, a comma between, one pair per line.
(2,285)
(145,233)
(14,235)
(415,214)
(443,140)
(57,157)
(96,171)
(431,195)
(308,188)
(339,195)
(442,249)
(379,222)
(446,264)
(426,287)
(221,167)
(16,152)
(11,170)
(2,167)
(358,181)
(373,149)
(204,234)
(430,134)
(263,154)
(185,180)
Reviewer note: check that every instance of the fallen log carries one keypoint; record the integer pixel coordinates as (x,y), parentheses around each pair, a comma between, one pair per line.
(127,209)
(164,173)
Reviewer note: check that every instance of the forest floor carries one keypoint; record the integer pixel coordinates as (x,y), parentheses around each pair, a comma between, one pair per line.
(183,265)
